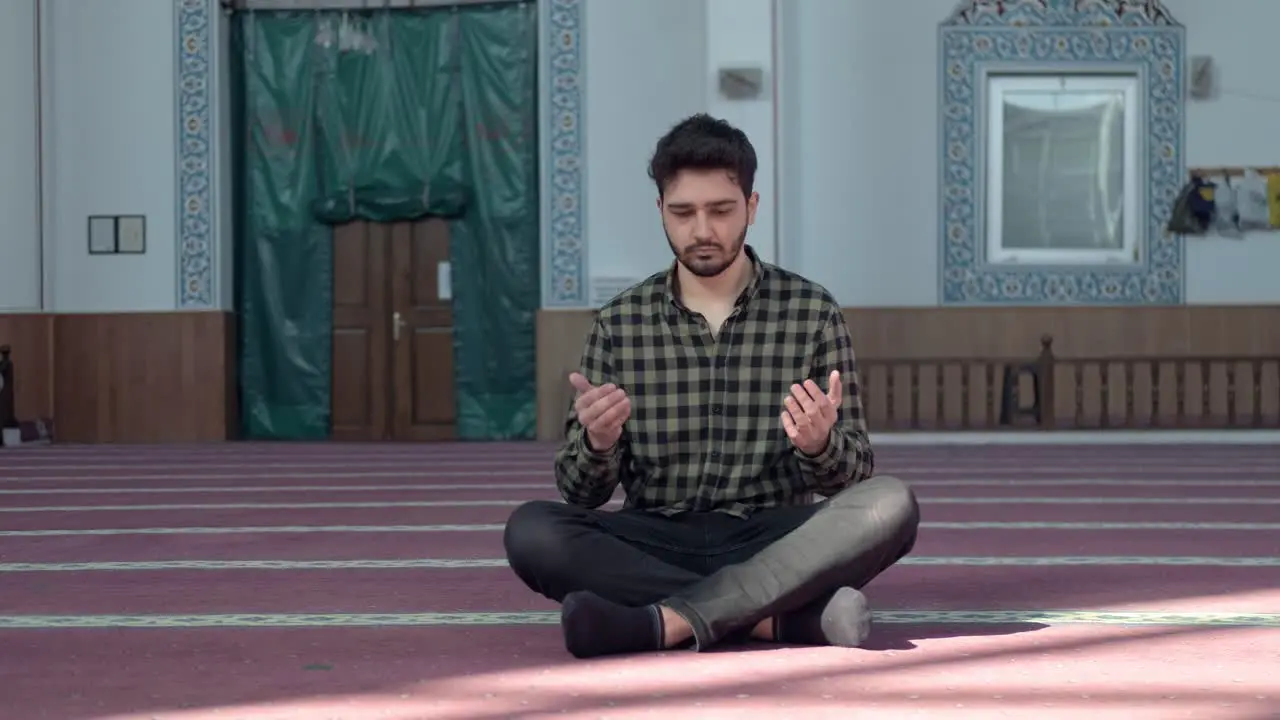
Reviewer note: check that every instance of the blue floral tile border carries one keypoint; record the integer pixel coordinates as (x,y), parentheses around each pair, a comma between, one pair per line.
(197,250)
(983,36)
(564,251)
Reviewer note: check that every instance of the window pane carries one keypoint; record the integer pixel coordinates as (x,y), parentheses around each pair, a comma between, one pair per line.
(1063,170)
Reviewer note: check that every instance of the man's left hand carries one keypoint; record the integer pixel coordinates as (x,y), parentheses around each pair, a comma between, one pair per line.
(810,414)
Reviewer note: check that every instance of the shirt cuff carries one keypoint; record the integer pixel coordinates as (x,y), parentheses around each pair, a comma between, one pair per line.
(825,461)
(586,451)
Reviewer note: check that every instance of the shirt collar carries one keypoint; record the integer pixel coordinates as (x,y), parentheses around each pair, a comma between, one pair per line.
(670,281)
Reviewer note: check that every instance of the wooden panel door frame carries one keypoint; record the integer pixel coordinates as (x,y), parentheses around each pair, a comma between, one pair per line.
(423,404)
(362,383)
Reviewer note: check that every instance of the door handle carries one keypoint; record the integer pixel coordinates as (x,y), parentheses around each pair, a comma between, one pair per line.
(397,322)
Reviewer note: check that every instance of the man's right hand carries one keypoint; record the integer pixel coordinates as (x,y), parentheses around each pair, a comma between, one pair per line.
(601,411)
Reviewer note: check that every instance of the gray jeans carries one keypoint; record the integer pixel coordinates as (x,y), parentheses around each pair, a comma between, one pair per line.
(723,574)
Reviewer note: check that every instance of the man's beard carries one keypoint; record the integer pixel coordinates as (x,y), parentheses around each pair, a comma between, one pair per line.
(710,267)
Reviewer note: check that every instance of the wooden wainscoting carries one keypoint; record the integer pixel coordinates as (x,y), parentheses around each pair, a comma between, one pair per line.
(884,336)
(31,338)
(144,377)
(126,377)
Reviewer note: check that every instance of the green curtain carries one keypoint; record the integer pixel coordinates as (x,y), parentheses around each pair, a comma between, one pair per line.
(495,246)
(284,268)
(386,116)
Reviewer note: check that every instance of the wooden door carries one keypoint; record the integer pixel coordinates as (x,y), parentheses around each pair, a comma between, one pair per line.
(392,333)
(423,399)
(361,372)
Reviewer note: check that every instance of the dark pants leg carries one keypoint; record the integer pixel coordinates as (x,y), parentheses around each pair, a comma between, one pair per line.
(630,557)
(720,573)
(847,540)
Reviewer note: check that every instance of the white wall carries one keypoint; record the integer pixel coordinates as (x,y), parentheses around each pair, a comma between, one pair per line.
(647,65)
(109,149)
(860,110)
(643,66)
(223,236)
(1236,128)
(740,34)
(19,195)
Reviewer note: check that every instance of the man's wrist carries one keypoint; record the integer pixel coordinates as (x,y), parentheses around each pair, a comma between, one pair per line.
(827,454)
(593,450)
(814,453)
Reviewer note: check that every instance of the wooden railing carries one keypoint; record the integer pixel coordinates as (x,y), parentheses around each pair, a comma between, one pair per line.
(1048,392)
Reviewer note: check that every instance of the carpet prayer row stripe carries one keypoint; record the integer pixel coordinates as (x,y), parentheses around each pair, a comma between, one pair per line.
(1243,460)
(1201,476)
(1027,470)
(257,477)
(489,544)
(1163,589)
(1186,512)
(470,450)
(511,503)
(954,496)
(1204,484)
(541,464)
(944,465)
(912,474)
(1189,439)
(914,617)
(491,527)
(446,563)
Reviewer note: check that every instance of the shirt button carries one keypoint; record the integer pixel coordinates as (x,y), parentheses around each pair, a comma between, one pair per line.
(716,409)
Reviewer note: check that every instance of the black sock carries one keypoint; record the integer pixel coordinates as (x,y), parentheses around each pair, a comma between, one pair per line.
(845,621)
(594,626)
(741,636)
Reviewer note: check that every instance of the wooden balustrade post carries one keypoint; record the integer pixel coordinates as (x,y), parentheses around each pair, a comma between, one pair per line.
(1045,370)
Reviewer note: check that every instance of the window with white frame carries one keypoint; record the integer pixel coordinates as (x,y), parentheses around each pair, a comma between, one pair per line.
(1062,169)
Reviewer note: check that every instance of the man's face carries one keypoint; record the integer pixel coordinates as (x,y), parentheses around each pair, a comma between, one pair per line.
(706,217)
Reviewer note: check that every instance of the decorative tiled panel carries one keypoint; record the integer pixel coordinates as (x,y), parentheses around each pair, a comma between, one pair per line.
(564,252)
(196,251)
(990,36)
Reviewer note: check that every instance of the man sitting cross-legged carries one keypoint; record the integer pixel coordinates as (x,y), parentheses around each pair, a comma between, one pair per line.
(702,394)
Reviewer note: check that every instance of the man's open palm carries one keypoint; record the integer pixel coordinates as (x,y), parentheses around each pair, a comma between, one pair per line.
(809,414)
(601,410)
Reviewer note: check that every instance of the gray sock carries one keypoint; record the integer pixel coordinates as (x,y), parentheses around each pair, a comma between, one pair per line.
(844,621)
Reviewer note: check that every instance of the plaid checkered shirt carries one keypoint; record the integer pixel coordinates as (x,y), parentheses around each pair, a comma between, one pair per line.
(705,432)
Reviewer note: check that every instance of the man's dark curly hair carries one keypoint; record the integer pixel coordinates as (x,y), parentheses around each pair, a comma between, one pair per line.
(701,142)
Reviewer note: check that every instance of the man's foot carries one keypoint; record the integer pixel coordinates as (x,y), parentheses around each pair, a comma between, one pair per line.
(845,621)
(594,626)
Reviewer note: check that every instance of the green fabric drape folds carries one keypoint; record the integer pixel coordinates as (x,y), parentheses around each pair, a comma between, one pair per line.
(386,116)
(391,118)
(496,246)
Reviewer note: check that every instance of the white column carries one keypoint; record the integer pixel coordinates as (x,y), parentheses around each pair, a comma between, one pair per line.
(740,33)
(19,134)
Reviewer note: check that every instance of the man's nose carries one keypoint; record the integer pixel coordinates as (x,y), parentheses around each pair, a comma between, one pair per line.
(701,227)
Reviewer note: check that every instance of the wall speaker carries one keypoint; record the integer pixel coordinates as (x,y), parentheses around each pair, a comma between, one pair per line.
(1200,78)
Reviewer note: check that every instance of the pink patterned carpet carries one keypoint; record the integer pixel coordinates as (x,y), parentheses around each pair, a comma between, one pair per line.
(363,582)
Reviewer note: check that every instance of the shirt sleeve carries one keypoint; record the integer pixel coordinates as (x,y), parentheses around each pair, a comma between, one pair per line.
(848,457)
(584,475)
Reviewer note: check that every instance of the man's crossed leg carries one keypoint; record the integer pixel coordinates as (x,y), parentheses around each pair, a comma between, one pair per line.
(632,581)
